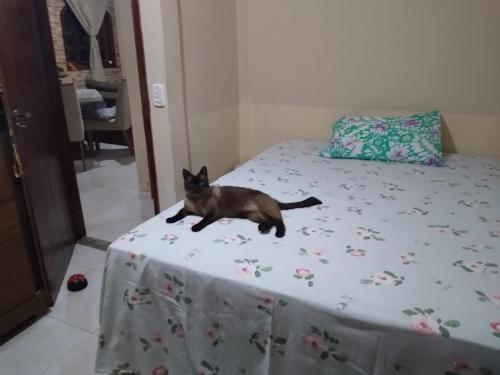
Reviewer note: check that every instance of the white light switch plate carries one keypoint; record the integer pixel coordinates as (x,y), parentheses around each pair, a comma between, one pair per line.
(158,95)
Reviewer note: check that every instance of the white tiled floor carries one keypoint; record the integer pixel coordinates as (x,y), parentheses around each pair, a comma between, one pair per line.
(81,309)
(109,193)
(65,340)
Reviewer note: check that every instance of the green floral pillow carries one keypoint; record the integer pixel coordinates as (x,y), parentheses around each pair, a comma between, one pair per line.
(410,139)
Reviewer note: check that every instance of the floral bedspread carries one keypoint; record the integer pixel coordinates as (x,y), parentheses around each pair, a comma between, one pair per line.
(395,273)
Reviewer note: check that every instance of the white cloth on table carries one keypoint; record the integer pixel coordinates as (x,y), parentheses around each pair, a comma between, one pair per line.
(88,96)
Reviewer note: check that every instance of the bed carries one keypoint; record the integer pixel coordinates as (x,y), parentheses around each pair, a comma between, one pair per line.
(395,273)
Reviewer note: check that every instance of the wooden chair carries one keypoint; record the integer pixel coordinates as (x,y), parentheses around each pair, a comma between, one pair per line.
(73,116)
(121,122)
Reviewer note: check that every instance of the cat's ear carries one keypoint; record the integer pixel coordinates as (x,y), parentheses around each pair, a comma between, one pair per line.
(203,171)
(186,174)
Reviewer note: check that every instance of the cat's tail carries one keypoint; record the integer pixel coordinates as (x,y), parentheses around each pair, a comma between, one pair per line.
(311,201)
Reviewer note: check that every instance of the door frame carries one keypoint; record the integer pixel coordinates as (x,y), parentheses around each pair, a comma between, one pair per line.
(146,109)
(146,114)
(74,203)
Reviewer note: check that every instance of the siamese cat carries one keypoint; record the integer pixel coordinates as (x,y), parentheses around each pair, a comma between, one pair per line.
(217,202)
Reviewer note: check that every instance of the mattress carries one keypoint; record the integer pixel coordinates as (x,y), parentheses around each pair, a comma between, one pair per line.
(395,273)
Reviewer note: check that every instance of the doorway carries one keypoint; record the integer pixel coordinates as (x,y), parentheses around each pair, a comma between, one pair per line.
(110,123)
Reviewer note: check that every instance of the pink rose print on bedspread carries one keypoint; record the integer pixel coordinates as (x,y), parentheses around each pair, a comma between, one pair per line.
(493,297)
(369,234)
(266,299)
(304,274)
(414,211)
(245,270)
(264,342)
(425,326)
(407,258)
(384,278)
(315,254)
(179,332)
(250,267)
(160,370)
(134,297)
(392,186)
(477,266)
(176,329)
(316,232)
(133,260)
(496,329)
(155,341)
(168,288)
(213,333)
(461,366)
(476,248)
(267,303)
(170,238)
(314,343)
(172,287)
(132,236)
(323,344)
(355,252)
(424,323)
(446,229)
(236,239)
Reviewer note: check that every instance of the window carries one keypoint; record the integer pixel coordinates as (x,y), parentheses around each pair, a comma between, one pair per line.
(77,43)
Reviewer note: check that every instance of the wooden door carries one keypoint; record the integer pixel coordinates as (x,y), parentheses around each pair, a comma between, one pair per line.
(34,108)
(23,287)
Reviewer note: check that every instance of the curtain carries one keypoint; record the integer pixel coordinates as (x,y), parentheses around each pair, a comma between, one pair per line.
(90,14)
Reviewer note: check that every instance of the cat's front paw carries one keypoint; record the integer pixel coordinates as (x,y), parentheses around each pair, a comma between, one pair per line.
(280,233)
(171,220)
(196,228)
(265,227)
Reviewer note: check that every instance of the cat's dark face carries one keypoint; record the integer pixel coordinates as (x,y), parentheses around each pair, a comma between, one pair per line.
(194,183)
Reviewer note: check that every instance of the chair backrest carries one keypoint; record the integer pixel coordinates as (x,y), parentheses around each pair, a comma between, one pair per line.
(123,121)
(102,86)
(72,112)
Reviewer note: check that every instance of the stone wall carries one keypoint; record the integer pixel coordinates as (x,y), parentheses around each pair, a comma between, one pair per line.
(55,7)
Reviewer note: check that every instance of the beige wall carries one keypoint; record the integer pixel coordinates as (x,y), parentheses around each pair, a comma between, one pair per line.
(176,93)
(302,64)
(192,47)
(55,7)
(210,56)
(126,41)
